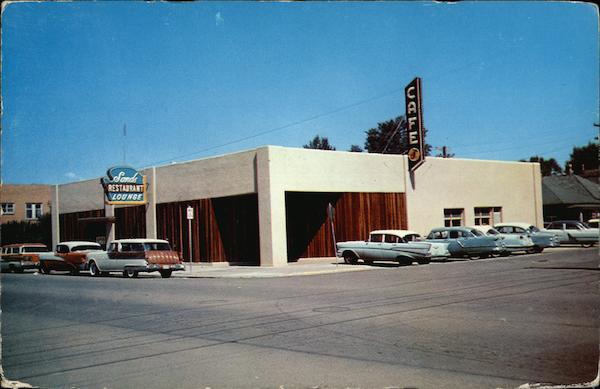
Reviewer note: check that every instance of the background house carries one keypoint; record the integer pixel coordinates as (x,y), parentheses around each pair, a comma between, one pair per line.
(570,198)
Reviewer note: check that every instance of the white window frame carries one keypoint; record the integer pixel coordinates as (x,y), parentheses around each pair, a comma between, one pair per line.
(36,210)
(452,216)
(7,209)
(492,214)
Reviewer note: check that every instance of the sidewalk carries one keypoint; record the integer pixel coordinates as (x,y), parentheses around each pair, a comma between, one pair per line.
(303,267)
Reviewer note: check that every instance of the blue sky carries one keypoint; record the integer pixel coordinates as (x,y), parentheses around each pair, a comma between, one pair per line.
(501,81)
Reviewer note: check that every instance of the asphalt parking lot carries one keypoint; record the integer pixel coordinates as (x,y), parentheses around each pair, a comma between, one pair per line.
(492,323)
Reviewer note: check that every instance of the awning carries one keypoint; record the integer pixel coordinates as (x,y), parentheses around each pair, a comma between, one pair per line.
(106,220)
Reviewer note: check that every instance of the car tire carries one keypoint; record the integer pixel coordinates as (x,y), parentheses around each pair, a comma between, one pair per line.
(402,261)
(94,271)
(424,261)
(166,273)
(350,258)
(130,273)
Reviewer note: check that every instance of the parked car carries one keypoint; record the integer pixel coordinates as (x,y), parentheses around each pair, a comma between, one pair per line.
(438,249)
(21,256)
(512,242)
(573,231)
(384,245)
(540,239)
(462,241)
(69,256)
(132,256)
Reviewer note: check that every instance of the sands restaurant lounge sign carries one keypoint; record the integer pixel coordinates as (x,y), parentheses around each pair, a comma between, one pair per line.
(124,186)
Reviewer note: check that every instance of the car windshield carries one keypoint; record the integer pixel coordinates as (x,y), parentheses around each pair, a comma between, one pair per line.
(148,246)
(476,232)
(534,229)
(86,247)
(493,231)
(34,249)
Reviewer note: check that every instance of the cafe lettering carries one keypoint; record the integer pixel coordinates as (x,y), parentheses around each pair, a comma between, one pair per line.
(414,124)
(124,186)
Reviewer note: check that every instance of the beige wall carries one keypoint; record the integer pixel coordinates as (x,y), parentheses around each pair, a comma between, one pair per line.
(228,175)
(457,183)
(306,170)
(81,196)
(20,195)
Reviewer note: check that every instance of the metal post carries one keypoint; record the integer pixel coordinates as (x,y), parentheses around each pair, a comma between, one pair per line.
(330,213)
(190,241)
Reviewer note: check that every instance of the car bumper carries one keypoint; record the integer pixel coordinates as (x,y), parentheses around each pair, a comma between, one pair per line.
(152,267)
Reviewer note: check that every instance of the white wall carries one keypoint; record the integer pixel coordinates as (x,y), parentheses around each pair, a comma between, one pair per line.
(308,170)
(228,175)
(457,183)
(81,196)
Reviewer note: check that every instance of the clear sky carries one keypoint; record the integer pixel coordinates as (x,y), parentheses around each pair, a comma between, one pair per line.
(501,81)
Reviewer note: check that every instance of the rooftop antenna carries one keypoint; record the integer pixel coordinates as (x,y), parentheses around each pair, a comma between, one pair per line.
(125,144)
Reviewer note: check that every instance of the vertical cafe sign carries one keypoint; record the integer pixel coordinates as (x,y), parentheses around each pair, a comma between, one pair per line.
(124,186)
(414,124)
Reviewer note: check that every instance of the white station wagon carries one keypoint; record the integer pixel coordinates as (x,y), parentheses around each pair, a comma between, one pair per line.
(132,256)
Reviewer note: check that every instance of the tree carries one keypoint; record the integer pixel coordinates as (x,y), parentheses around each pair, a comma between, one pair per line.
(584,158)
(549,167)
(319,143)
(390,137)
(356,149)
(26,231)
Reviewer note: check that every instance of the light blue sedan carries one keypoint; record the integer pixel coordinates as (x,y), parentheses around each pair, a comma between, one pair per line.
(463,242)
(512,242)
(540,239)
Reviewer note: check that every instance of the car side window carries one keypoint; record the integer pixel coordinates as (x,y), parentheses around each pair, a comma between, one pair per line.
(61,248)
(455,234)
(376,238)
(519,230)
(390,239)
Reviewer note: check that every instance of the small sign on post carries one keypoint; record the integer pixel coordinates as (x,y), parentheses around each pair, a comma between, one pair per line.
(190,217)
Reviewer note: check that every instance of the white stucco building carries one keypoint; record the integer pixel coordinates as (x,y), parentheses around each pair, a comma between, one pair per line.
(268,206)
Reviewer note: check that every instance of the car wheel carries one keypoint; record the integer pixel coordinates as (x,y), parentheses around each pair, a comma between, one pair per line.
(423,261)
(538,249)
(350,258)
(94,271)
(403,261)
(130,273)
(166,273)
(591,244)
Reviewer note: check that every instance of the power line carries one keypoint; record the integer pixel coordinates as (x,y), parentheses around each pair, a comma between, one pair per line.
(258,134)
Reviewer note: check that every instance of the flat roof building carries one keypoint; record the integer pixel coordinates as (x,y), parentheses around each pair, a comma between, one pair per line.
(268,206)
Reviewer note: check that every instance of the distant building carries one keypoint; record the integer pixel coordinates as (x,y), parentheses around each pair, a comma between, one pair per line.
(570,198)
(24,202)
(269,206)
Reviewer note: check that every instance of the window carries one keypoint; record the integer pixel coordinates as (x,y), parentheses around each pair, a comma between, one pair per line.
(8,209)
(33,211)
(453,217)
(376,238)
(487,216)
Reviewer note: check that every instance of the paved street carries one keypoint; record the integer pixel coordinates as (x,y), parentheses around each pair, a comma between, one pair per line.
(479,324)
